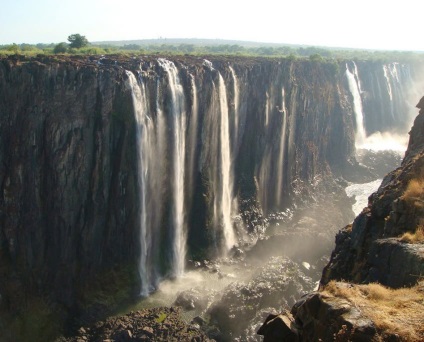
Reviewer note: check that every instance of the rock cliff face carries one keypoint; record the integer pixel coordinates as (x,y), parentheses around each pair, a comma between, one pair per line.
(131,164)
(66,159)
(370,250)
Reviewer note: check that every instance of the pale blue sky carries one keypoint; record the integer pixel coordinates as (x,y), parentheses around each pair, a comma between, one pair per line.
(374,24)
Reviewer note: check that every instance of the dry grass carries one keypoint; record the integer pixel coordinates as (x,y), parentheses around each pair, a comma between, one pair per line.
(394,311)
(415,237)
(414,193)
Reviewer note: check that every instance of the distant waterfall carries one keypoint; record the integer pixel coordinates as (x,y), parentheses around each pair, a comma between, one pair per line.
(142,131)
(389,87)
(281,153)
(267,108)
(178,168)
(355,89)
(226,191)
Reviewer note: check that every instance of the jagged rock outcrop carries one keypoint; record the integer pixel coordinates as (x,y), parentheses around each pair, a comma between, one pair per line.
(319,317)
(370,249)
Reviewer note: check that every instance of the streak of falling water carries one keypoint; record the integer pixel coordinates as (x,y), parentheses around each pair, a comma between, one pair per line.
(142,129)
(267,106)
(226,169)
(192,139)
(179,122)
(236,105)
(280,165)
(355,90)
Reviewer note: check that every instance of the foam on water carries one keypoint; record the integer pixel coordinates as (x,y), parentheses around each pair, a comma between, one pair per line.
(361,192)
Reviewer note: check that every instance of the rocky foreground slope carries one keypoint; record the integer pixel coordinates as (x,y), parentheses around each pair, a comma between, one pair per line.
(385,245)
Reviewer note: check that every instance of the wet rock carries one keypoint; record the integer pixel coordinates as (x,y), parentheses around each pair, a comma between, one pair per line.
(192,299)
(276,281)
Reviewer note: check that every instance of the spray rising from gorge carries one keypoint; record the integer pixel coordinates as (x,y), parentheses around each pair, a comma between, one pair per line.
(171,158)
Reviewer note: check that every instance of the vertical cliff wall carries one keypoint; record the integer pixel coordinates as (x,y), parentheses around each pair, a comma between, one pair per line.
(67,160)
(141,162)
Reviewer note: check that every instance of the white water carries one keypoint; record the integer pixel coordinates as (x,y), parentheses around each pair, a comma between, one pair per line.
(236,105)
(280,165)
(226,191)
(386,142)
(179,121)
(389,87)
(267,106)
(361,192)
(191,170)
(142,120)
(355,89)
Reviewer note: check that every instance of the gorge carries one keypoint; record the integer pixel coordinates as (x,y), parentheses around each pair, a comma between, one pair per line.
(141,167)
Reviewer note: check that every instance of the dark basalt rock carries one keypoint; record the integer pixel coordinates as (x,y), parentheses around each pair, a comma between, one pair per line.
(278,328)
(158,324)
(316,317)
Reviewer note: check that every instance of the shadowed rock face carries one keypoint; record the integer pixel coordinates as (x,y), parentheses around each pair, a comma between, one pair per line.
(69,200)
(66,157)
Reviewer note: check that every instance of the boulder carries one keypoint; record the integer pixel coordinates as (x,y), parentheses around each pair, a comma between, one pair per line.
(278,328)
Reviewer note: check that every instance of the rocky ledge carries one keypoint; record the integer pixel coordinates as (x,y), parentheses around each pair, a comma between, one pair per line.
(157,324)
(384,245)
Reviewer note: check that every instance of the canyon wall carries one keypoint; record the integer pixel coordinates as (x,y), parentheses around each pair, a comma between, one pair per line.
(141,163)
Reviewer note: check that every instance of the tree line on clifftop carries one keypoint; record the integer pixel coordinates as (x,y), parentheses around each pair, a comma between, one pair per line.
(79,45)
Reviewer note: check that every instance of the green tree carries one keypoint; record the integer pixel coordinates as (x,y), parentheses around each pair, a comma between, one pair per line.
(60,48)
(316,57)
(77,41)
(14,48)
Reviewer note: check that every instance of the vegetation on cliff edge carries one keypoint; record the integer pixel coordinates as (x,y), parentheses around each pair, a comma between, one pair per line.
(393,311)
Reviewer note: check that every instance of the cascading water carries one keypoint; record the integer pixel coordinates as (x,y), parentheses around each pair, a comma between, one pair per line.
(142,120)
(185,150)
(355,89)
(190,174)
(179,123)
(389,89)
(281,153)
(226,190)
(267,107)
(236,100)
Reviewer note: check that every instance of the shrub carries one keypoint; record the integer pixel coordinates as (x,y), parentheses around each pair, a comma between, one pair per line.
(60,48)
(415,189)
(415,237)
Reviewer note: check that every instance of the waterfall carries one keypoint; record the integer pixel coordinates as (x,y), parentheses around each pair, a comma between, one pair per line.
(355,89)
(226,190)
(178,167)
(236,106)
(267,106)
(142,129)
(192,143)
(389,87)
(280,165)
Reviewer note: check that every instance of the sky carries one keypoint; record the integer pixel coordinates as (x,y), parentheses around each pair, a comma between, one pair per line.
(367,24)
